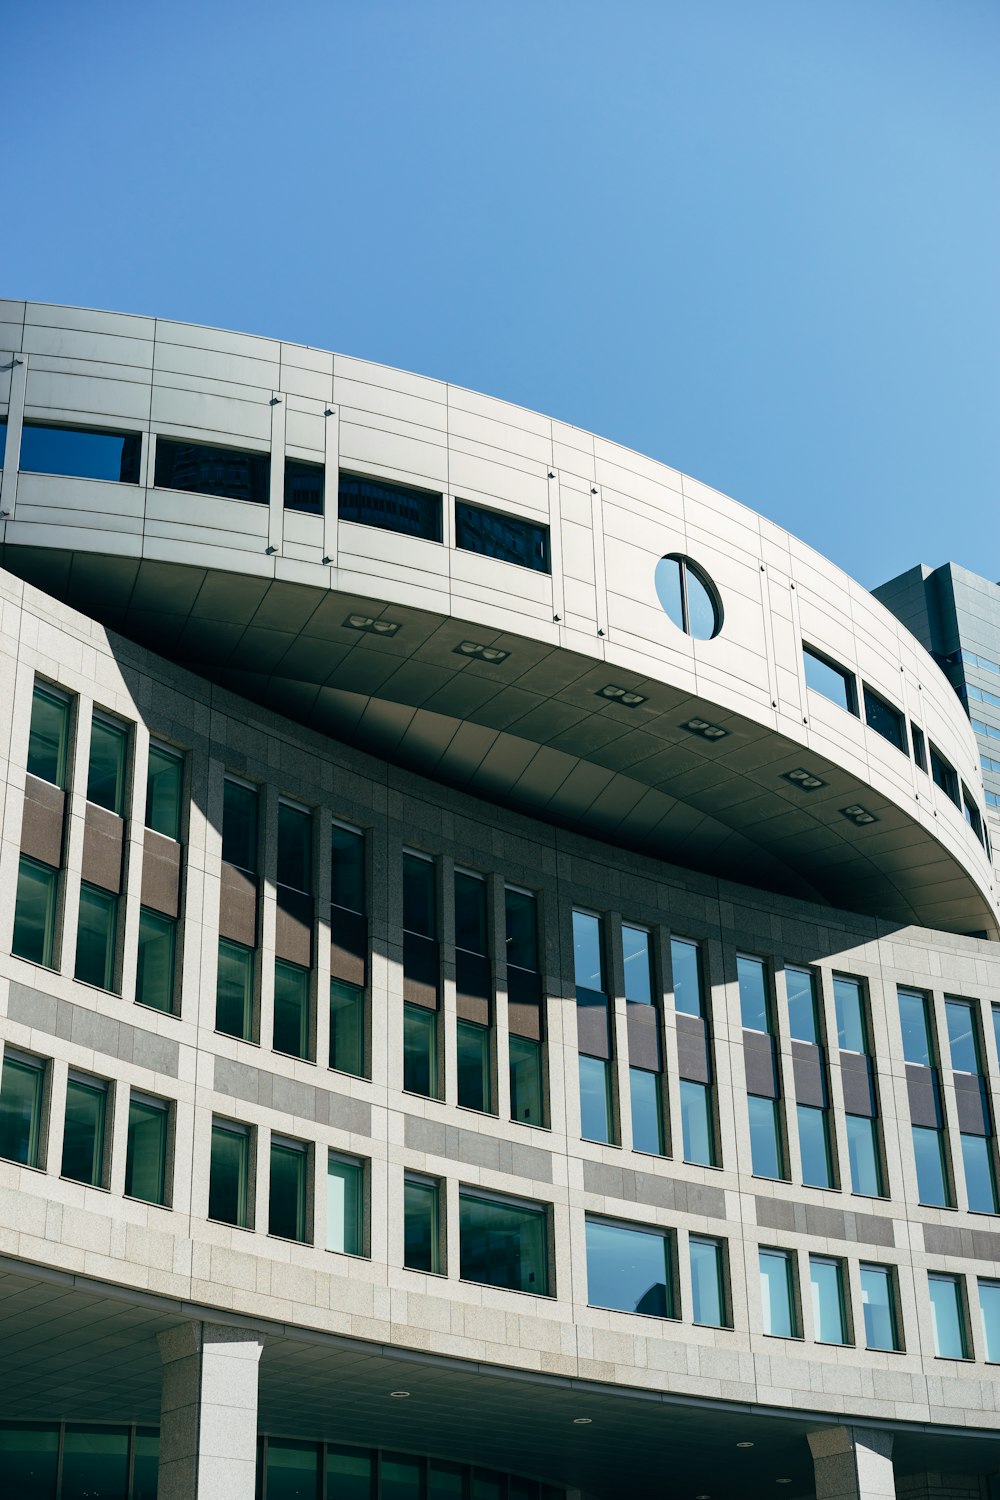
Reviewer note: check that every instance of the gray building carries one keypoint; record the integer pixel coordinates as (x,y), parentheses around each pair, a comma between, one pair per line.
(499,979)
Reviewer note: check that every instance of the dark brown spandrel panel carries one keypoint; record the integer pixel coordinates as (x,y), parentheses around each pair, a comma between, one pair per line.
(693,1061)
(348,946)
(644,1036)
(856,1079)
(810,1074)
(592,1023)
(759,1062)
(238,906)
(103,842)
(925,1100)
(42,822)
(421,971)
(294,927)
(473,987)
(972,1108)
(162,859)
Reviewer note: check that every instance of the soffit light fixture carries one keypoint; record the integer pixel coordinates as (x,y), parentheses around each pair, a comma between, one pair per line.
(705,729)
(804,779)
(582,1421)
(624,696)
(858,815)
(399,1395)
(492,654)
(745,1444)
(374,627)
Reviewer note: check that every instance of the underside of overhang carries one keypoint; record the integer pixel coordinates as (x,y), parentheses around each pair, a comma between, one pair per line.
(530,730)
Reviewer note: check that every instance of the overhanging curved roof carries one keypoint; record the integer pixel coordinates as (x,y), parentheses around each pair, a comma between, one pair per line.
(268,602)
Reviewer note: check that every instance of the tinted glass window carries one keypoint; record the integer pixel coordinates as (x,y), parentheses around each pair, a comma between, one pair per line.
(49,735)
(707,1299)
(473,1066)
(345,1179)
(347,1027)
(526,1092)
(946,1317)
(419,896)
(230,473)
(962,1036)
(803,1022)
(916,1035)
(588,955)
(777,1302)
(647,1112)
(229,1174)
(470,912)
(239,825)
(863,1156)
(304,487)
(291,1009)
(21,1084)
(829,1320)
(420,1063)
(628,1269)
(849,1001)
(596,1120)
(421,1236)
(696,1122)
(638,965)
(833,682)
(503,1244)
(292,1469)
(234,990)
(885,720)
(35,912)
(980,1179)
(814,1146)
(508,538)
(687,977)
(919,746)
(348,850)
(932,1177)
(989,1303)
(163,791)
(287,1199)
(393,507)
(765,1140)
(755,1006)
(878,1304)
(83,1137)
(106,772)
(81,453)
(154,982)
(294,847)
(522,928)
(96,935)
(943,774)
(94,1462)
(146,1153)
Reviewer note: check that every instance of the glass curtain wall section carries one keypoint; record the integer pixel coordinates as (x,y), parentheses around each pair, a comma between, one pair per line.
(97,937)
(708,1287)
(863,1140)
(349,931)
(107,766)
(503,1243)
(697,1111)
(878,1302)
(234,995)
(947,1316)
(645,1081)
(525,1007)
(146,1151)
(975,1116)
(421,1224)
(421,1044)
(35,905)
(289,1190)
(597,1113)
(48,736)
(929,1145)
(629,1268)
(345,1204)
(815,1154)
(767,1151)
(474,994)
(779,1307)
(154,978)
(22,1094)
(84,1130)
(164,791)
(229,1200)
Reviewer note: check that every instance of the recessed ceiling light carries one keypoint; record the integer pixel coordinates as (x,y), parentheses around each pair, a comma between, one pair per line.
(705,729)
(484,653)
(625,696)
(399,1395)
(858,815)
(782,1481)
(744,1444)
(582,1421)
(804,779)
(372,626)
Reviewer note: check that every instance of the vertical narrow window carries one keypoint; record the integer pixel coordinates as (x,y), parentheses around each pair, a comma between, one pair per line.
(294,847)
(474,1067)
(629,1268)
(913,1020)
(525,1008)
(694,1054)
(767,1155)
(814,1146)
(777,1294)
(420,1051)
(474,994)
(421,976)
(48,737)
(932,1173)
(470,913)
(755,998)
(345,1204)
(97,937)
(22,1092)
(645,1053)
(289,1190)
(35,913)
(421,1224)
(647,1112)
(826,1278)
(697,1125)
(864,1156)
(347,1028)
(348,868)
(235,990)
(84,1130)
(164,787)
(684,962)
(975,1116)
(597,1113)
(947,1316)
(106,769)
(292,1029)
(767,1152)
(803,1017)
(239,825)
(154,979)
(860,1096)
(419,896)
(927,1118)
(708,1293)
(989,1306)
(146,1152)
(809,1061)
(878,1301)
(229,1174)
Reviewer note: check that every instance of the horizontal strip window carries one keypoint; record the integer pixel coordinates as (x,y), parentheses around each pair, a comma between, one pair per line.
(990,765)
(229,473)
(832,681)
(943,774)
(80,452)
(508,538)
(304,487)
(392,507)
(982,695)
(885,720)
(970,659)
(986,729)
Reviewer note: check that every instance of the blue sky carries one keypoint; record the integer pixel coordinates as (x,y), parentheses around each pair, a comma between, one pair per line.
(757,239)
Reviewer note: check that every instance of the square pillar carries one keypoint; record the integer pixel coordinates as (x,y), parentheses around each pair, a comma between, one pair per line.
(208,1412)
(852,1463)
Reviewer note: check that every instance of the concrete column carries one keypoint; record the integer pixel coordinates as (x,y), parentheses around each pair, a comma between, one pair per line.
(208,1412)
(852,1463)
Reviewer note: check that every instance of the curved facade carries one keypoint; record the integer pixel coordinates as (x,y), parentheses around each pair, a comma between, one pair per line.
(496,962)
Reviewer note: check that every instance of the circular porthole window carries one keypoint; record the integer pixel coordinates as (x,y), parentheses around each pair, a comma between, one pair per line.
(688,596)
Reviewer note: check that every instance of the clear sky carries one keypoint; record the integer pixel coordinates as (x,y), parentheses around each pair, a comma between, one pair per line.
(757,239)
